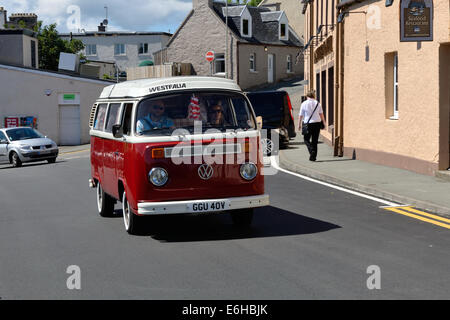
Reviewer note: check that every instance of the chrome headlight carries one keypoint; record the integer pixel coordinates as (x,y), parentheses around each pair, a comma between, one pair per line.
(25,148)
(158,176)
(248,171)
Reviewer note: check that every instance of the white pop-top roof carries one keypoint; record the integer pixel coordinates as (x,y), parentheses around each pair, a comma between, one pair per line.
(145,87)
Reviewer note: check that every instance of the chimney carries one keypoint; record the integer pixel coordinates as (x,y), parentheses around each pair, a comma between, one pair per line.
(198,3)
(101,27)
(3,18)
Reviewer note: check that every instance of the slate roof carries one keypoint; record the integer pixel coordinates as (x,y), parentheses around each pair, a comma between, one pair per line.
(264,28)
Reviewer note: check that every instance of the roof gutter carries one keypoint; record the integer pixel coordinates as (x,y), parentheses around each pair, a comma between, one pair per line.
(348,3)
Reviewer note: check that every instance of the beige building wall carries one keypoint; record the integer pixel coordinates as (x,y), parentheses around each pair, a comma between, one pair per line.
(293,10)
(412,140)
(248,79)
(24,93)
(198,36)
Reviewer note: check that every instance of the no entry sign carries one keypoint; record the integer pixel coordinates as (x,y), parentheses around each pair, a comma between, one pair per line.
(210,56)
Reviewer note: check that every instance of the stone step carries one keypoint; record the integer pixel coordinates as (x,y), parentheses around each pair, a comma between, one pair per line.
(443,174)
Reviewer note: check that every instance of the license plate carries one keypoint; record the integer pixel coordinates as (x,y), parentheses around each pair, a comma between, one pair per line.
(208,206)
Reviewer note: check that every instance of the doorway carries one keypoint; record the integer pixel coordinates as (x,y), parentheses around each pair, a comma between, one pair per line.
(69,125)
(444,106)
(270,68)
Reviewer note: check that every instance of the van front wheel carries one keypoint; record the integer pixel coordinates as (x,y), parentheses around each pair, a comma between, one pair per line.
(130,220)
(105,202)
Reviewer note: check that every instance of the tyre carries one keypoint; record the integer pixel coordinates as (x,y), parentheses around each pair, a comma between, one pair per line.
(130,220)
(15,160)
(52,160)
(242,217)
(105,202)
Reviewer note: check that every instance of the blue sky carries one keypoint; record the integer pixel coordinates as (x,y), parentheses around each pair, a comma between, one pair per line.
(132,15)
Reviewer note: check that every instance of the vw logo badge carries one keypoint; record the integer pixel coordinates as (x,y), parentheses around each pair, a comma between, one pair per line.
(205,171)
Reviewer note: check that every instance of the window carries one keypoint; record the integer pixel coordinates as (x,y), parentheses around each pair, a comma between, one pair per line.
(252,62)
(127,119)
(2,137)
(113,116)
(289,63)
(391,85)
(396,86)
(100,119)
(218,110)
(283,30)
(143,48)
(119,49)
(219,63)
(245,30)
(91,49)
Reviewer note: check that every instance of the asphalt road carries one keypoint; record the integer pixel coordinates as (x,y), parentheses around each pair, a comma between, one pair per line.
(313,242)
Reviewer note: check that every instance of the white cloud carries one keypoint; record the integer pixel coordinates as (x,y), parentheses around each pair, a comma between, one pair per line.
(133,15)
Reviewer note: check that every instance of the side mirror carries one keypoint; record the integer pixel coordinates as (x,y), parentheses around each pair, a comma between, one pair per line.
(117,131)
(259,122)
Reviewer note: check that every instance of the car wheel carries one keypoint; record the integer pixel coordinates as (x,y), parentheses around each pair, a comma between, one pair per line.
(242,217)
(105,202)
(52,160)
(15,160)
(130,220)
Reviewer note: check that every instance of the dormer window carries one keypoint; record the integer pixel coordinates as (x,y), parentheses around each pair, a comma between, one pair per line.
(245,27)
(283,30)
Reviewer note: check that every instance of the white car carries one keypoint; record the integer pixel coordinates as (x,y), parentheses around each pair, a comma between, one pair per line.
(24,144)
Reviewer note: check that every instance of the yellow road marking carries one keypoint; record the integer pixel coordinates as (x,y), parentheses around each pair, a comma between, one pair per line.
(397,210)
(433,216)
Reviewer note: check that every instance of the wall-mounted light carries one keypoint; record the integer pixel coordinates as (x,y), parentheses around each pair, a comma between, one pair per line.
(265,48)
(342,15)
(389,3)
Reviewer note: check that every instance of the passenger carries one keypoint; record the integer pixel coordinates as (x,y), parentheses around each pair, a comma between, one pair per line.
(216,116)
(155,118)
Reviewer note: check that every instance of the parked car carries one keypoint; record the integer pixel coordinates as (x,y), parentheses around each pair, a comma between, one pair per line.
(276,111)
(151,147)
(24,144)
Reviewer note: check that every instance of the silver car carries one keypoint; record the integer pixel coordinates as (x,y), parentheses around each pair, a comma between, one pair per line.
(24,144)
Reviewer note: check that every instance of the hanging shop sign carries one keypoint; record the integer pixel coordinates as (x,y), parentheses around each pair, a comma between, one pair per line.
(416,21)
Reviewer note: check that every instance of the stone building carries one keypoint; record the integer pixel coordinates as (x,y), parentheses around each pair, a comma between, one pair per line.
(261,47)
(381,72)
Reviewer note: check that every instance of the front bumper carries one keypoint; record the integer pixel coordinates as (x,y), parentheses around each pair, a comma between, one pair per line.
(181,207)
(39,155)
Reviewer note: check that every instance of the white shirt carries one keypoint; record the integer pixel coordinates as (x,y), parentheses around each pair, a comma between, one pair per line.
(307,108)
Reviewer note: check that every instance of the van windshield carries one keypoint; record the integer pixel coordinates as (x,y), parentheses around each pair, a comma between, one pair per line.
(193,110)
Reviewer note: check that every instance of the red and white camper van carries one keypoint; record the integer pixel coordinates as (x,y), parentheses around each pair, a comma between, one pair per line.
(178,145)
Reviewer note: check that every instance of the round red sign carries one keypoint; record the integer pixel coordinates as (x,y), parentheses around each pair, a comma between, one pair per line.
(210,56)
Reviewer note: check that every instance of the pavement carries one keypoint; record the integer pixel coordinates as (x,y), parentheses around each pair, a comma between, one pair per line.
(74,149)
(397,185)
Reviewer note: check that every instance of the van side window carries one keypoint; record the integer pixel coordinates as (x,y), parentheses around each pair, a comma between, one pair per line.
(100,119)
(243,116)
(128,107)
(113,116)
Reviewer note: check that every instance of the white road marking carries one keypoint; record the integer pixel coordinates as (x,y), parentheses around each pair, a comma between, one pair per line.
(362,195)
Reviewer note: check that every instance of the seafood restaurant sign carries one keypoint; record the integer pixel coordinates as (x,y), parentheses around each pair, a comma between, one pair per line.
(416,20)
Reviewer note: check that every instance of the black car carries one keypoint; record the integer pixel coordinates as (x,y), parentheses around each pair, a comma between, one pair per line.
(276,111)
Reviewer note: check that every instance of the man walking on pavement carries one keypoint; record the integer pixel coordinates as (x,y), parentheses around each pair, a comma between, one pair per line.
(312,119)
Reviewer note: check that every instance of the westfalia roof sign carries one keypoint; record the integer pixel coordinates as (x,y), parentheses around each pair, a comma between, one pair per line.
(416,20)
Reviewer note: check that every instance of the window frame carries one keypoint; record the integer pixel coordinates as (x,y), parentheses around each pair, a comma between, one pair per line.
(96,116)
(244,21)
(395,102)
(252,61)
(289,63)
(108,115)
(124,49)
(283,37)
(216,60)
(142,46)
(90,45)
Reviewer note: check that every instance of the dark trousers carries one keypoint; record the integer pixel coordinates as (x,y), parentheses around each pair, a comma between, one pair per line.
(312,138)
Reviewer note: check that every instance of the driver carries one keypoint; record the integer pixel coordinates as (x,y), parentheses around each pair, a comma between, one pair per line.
(216,115)
(155,118)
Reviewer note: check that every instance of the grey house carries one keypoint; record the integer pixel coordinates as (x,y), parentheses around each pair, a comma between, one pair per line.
(262,48)
(125,49)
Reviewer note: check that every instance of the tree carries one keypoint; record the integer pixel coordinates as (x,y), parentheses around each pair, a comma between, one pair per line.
(51,45)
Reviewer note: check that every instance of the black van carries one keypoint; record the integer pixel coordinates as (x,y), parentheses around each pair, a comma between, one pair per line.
(275,108)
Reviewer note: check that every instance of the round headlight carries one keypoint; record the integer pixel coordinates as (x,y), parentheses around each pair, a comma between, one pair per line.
(158,176)
(249,171)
